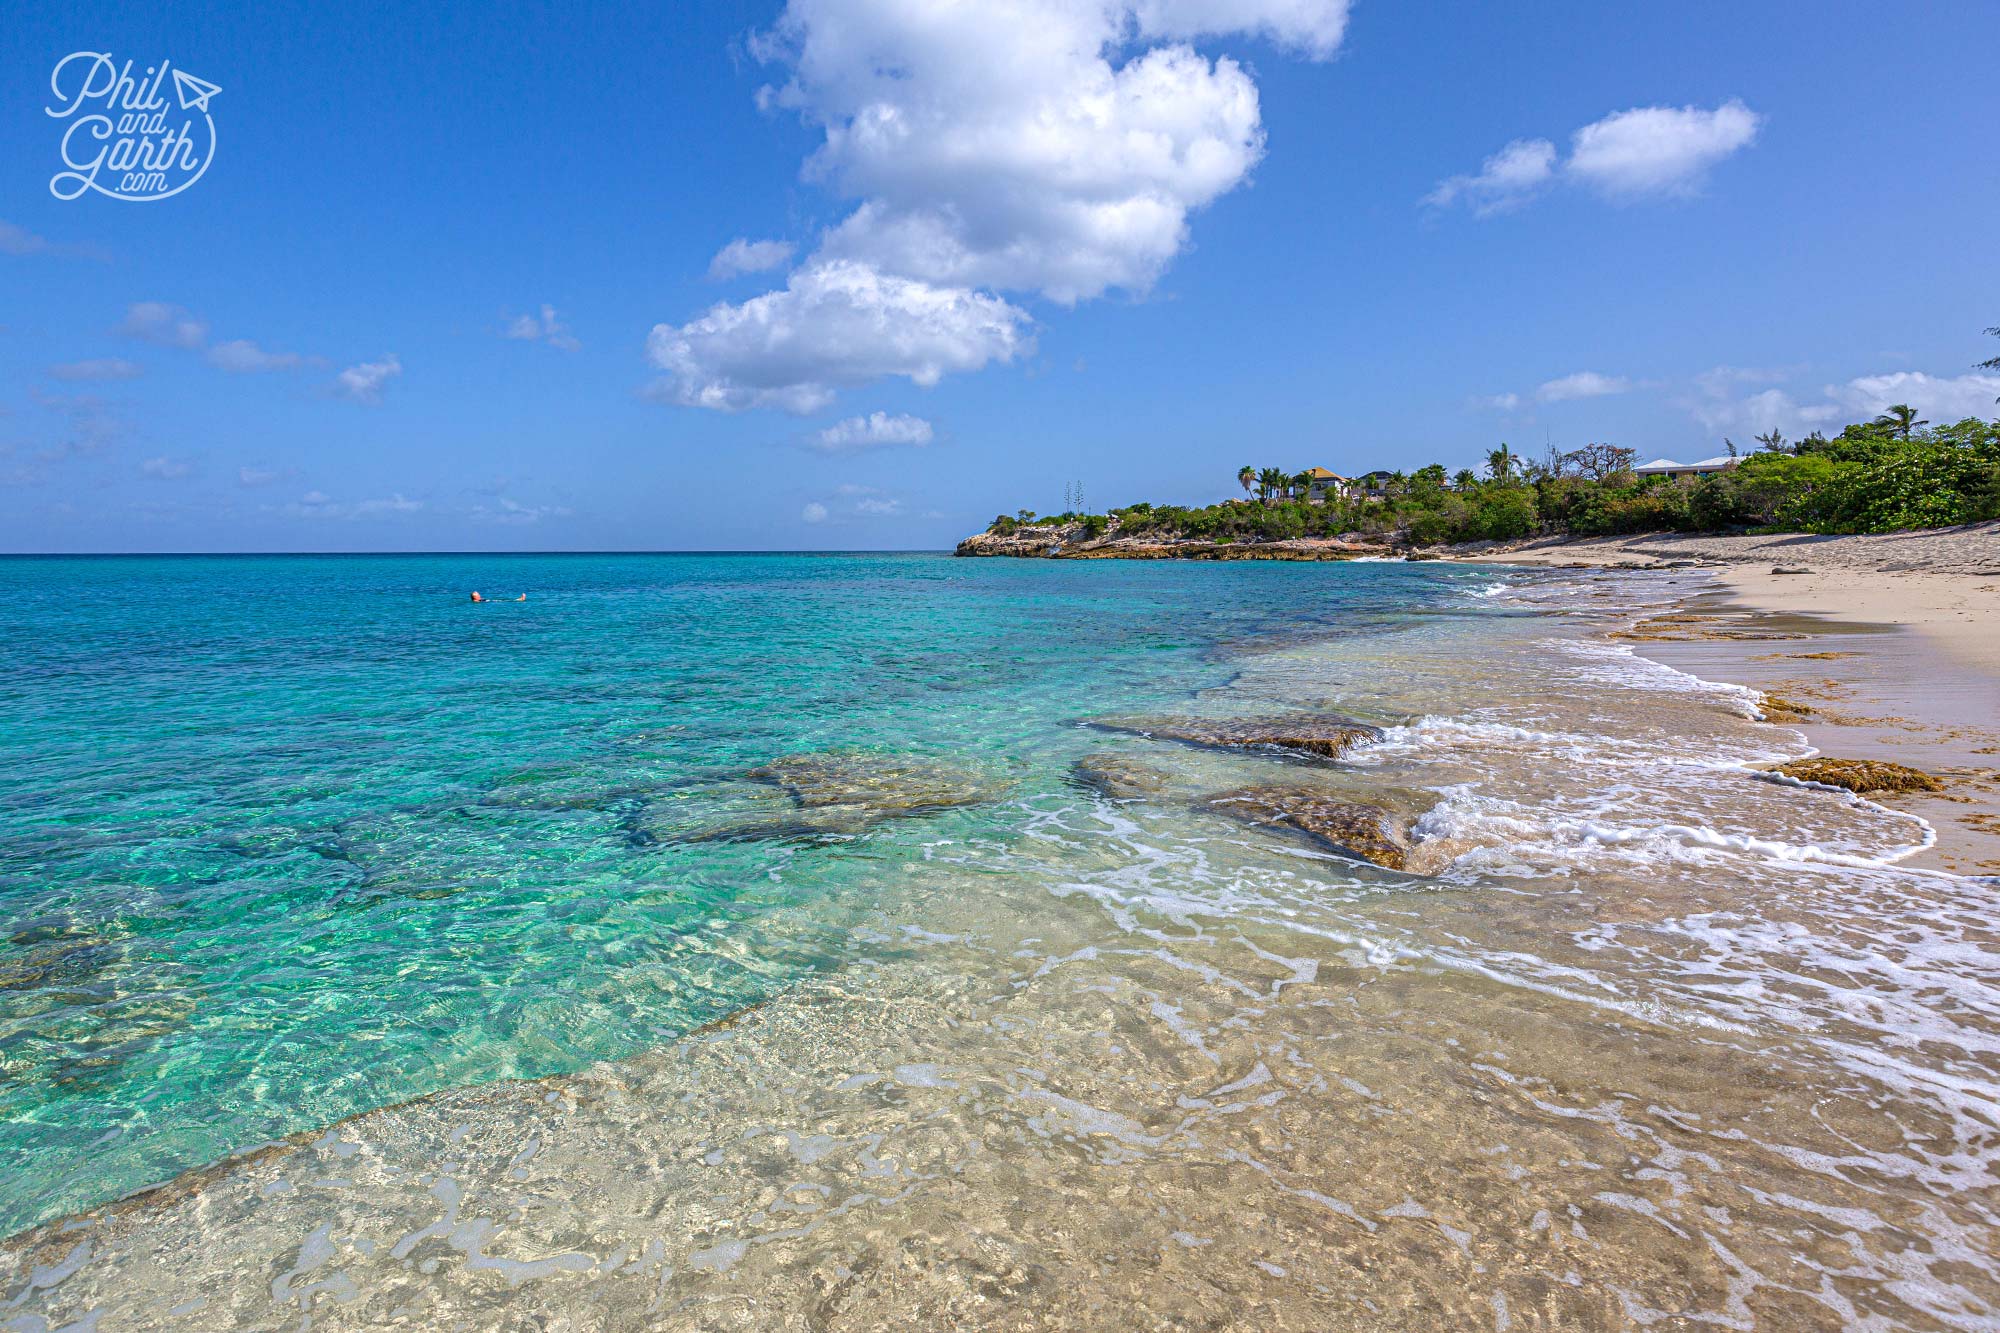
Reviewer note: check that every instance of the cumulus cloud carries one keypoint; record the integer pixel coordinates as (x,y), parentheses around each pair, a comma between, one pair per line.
(1720,405)
(1040,146)
(1505,180)
(547,329)
(742,256)
(1659,149)
(835,324)
(814,512)
(1650,151)
(243,357)
(255,476)
(1940,399)
(1583,384)
(103,368)
(167,325)
(1500,402)
(876,430)
(363,383)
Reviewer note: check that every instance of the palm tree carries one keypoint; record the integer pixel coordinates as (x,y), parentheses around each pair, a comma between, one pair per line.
(1901,419)
(1246,477)
(1270,481)
(1302,485)
(1994,364)
(1500,463)
(1774,441)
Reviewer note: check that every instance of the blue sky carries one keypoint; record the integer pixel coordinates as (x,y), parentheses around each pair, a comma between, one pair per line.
(1134,245)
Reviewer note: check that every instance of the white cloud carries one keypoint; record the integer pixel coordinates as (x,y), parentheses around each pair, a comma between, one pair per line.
(1583,384)
(1647,151)
(1311,27)
(241,357)
(875,430)
(1941,400)
(255,476)
(814,512)
(103,368)
(318,504)
(878,508)
(168,325)
(1717,405)
(745,256)
(1500,402)
(1506,180)
(514,513)
(546,329)
(166,469)
(1041,146)
(835,324)
(1659,149)
(363,383)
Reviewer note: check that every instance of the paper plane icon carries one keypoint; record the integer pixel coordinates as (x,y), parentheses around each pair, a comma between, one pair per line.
(194,93)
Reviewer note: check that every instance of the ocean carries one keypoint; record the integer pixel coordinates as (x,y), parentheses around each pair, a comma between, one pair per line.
(758,940)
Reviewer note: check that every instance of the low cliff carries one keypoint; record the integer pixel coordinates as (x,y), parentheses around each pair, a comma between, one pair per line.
(1069,542)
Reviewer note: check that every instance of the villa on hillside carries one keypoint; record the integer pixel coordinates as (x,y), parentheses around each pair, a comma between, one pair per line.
(1371,485)
(1323,482)
(1667,467)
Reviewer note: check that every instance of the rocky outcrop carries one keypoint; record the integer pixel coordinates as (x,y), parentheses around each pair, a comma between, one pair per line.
(1327,735)
(1860,775)
(1116,776)
(1070,542)
(1022,541)
(1349,827)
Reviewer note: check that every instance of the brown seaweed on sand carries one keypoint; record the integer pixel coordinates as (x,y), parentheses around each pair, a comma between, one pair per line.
(1860,775)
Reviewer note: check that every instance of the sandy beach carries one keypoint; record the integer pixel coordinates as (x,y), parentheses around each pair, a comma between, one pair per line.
(1881,647)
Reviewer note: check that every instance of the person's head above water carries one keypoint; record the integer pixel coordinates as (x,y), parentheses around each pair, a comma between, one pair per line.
(477,598)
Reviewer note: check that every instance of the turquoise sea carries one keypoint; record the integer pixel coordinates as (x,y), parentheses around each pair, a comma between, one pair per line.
(896,941)
(283,839)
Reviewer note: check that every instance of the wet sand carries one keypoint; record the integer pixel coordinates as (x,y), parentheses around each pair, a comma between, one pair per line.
(1908,669)
(1863,691)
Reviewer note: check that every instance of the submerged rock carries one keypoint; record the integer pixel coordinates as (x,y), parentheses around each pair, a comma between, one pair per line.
(821,795)
(1325,734)
(888,783)
(1362,831)
(1117,776)
(1860,775)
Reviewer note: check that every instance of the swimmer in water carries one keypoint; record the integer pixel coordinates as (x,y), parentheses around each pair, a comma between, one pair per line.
(477,598)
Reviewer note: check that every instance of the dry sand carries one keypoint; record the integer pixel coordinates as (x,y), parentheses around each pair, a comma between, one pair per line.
(1896,654)
(1944,582)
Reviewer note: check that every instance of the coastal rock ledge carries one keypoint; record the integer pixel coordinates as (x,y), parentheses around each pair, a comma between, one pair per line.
(1070,542)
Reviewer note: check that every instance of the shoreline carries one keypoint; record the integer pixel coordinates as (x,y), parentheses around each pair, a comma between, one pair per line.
(476,1198)
(1881,647)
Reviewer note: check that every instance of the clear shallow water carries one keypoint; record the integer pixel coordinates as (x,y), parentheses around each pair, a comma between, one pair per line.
(285,839)
(1641,1041)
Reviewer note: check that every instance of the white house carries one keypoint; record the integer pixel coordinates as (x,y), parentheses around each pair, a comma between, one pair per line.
(1667,467)
(1322,482)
